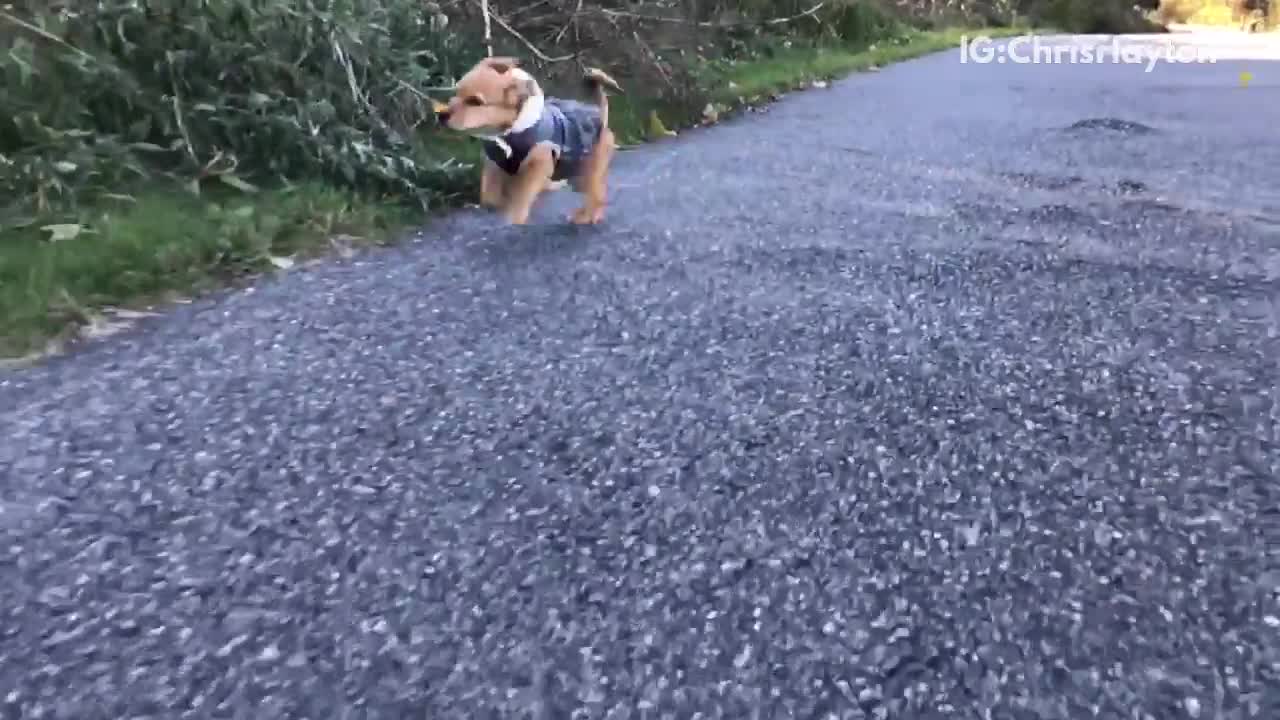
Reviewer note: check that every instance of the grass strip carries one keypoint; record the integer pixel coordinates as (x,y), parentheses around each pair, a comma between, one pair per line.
(162,244)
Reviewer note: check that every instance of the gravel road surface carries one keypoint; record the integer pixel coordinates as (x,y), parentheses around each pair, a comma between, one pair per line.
(947,391)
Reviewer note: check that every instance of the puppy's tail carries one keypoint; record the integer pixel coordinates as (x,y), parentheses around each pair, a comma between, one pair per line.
(598,82)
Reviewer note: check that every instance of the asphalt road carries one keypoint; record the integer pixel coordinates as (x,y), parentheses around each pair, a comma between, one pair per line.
(947,391)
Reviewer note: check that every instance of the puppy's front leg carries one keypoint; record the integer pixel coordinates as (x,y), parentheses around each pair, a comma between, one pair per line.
(534,177)
(493,185)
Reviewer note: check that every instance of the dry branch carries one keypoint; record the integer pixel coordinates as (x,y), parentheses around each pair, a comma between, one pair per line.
(708,24)
(484,7)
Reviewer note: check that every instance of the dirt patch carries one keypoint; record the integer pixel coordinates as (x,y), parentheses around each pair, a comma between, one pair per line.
(1149,206)
(980,213)
(1059,214)
(1039,181)
(1057,183)
(1128,187)
(1126,127)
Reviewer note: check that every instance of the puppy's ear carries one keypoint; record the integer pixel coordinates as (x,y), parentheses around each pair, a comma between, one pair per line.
(501,65)
(520,90)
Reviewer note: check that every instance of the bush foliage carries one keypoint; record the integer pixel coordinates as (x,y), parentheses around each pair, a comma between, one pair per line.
(105,95)
(153,147)
(117,92)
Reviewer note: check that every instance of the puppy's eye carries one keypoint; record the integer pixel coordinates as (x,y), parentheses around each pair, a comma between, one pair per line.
(475,101)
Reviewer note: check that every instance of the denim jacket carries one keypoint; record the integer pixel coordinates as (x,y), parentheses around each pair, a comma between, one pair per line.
(572,127)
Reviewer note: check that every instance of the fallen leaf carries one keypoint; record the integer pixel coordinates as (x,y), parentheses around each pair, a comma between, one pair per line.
(127,314)
(99,327)
(344,245)
(237,183)
(656,128)
(63,231)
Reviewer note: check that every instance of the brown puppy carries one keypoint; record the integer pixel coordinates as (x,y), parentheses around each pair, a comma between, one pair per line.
(533,142)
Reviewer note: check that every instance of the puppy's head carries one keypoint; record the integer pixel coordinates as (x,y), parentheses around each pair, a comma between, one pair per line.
(489,97)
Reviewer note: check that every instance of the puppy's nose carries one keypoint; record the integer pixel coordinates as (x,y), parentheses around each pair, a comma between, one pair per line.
(441,111)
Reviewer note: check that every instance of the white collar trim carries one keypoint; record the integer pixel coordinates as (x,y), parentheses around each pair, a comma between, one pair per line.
(533,105)
(529,114)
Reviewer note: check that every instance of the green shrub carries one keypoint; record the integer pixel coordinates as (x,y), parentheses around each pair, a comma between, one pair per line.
(1092,16)
(1255,15)
(1178,11)
(116,92)
(860,23)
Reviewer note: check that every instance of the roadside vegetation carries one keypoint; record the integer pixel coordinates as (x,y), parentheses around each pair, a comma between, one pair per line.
(1249,15)
(152,149)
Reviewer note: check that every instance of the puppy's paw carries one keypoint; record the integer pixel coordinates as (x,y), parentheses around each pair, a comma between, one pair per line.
(515,217)
(587,216)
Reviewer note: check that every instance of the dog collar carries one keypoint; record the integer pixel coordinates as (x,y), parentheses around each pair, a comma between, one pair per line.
(530,113)
(498,141)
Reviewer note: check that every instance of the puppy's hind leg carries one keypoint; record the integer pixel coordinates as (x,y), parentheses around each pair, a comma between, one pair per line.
(592,177)
(593,180)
